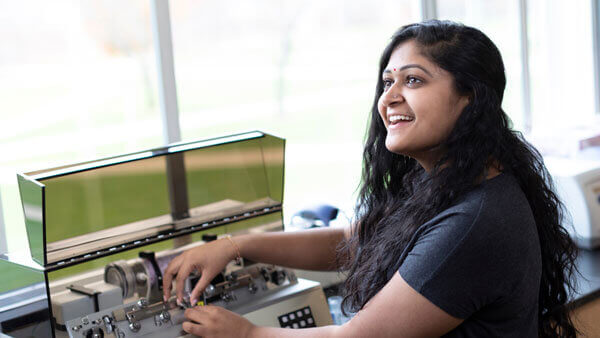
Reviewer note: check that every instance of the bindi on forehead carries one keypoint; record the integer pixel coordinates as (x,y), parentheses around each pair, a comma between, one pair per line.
(409,66)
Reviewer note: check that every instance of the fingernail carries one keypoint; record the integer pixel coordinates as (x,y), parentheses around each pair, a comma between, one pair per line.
(178,302)
(194,302)
(165,298)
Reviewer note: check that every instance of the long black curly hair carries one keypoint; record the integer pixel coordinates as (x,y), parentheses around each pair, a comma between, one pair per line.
(397,195)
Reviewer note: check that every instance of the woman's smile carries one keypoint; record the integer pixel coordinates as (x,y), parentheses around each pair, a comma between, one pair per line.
(396,121)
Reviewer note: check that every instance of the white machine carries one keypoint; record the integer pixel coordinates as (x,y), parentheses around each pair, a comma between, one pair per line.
(264,294)
(578,186)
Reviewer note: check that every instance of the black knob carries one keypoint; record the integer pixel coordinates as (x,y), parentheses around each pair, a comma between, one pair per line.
(94,333)
(278,277)
(209,237)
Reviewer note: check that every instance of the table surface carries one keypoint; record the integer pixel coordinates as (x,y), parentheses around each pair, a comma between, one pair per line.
(588,278)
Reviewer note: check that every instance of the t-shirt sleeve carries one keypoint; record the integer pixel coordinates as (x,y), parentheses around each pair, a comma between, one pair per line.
(456,264)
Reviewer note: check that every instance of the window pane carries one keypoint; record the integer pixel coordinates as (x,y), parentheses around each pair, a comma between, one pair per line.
(303,70)
(77,82)
(561,63)
(499,20)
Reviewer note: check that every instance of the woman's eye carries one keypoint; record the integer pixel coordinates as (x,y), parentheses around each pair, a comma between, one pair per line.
(387,83)
(413,81)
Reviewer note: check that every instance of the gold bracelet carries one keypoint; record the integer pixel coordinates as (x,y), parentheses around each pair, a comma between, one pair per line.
(238,259)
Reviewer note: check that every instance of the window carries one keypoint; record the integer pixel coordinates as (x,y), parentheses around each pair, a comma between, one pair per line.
(303,70)
(77,82)
(78,79)
(561,64)
(499,20)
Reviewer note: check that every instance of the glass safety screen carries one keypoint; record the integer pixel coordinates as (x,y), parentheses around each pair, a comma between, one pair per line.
(87,210)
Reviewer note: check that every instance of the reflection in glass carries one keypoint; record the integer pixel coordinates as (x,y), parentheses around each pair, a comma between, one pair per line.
(102,207)
(93,200)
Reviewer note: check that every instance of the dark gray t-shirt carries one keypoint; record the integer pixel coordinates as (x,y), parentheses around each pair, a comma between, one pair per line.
(480,261)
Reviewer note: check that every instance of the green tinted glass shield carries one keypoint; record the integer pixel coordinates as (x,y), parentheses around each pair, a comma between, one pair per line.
(32,200)
(96,207)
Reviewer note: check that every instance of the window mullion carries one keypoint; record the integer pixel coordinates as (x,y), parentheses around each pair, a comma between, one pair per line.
(525,77)
(167,91)
(428,10)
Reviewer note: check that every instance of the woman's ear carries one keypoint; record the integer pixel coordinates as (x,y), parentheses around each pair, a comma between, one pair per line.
(464,101)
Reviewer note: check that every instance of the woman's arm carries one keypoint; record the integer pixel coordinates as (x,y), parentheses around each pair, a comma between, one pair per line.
(310,249)
(395,311)
(313,249)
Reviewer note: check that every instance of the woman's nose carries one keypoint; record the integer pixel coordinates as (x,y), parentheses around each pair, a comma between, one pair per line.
(392,96)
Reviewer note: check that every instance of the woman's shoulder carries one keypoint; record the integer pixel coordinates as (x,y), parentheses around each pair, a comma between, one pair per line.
(481,251)
(493,211)
(500,194)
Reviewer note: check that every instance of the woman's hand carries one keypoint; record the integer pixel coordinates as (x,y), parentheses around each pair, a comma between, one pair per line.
(208,259)
(214,321)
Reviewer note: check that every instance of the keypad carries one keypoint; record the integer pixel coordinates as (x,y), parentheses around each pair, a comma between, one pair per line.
(297,319)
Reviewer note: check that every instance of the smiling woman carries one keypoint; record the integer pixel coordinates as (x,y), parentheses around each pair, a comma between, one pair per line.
(455,201)
(457,222)
(419,105)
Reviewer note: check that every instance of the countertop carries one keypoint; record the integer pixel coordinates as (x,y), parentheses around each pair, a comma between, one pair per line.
(588,278)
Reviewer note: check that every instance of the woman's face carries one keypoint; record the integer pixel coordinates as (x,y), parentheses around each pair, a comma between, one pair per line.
(419,105)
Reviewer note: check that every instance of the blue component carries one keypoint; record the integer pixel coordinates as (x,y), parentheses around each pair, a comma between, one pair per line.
(322,212)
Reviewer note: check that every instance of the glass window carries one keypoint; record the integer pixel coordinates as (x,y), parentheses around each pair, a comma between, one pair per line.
(561,64)
(499,20)
(303,70)
(77,82)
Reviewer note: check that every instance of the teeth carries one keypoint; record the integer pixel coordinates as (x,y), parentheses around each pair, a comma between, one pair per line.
(395,118)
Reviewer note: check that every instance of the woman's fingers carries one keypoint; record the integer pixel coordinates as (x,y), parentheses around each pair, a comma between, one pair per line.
(198,314)
(214,321)
(205,279)
(195,329)
(168,275)
(198,318)
(182,275)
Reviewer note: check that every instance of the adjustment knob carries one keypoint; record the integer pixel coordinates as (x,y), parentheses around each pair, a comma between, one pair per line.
(135,326)
(225,296)
(165,316)
(210,290)
(265,274)
(252,288)
(142,302)
(94,333)
(141,278)
(232,277)
(108,324)
(278,277)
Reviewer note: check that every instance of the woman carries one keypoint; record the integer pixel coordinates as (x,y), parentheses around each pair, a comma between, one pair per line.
(458,231)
